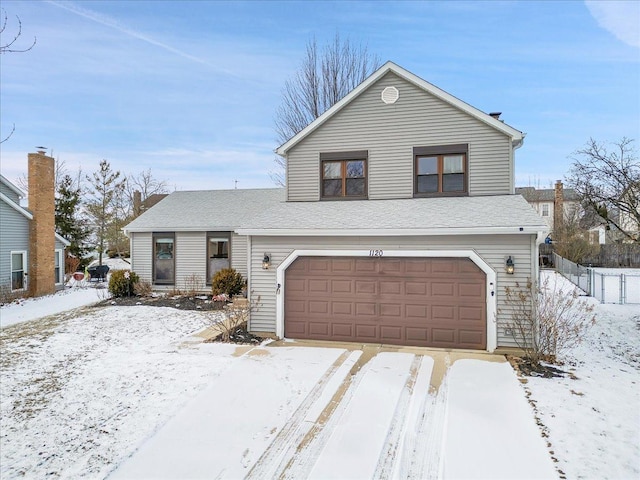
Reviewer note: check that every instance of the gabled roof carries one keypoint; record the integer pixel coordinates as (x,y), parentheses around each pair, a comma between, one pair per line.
(490,215)
(11,186)
(205,210)
(516,135)
(532,194)
(27,214)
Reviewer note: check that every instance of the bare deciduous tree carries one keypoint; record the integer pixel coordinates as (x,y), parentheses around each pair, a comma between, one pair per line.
(146,184)
(9,47)
(324,78)
(609,183)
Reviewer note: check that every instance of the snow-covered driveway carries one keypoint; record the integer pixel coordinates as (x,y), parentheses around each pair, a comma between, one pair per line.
(296,412)
(126,392)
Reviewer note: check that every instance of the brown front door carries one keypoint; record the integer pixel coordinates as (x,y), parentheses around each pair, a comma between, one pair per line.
(429,302)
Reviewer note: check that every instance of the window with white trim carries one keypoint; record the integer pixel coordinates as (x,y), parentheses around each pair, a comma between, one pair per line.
(18,270)
(59,267)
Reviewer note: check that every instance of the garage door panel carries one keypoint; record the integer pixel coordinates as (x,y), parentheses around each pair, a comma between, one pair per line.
(443,335)
(390,310)
(470,290)
(441,289)
(363,286)
(316,328)
(364,265)
(368,332)
(297,306)
(439,302)
(471,314)
(440,266)
(392,287)
(416,311)
(470,337)
(446,313)
(365,309)
(318,306)
(417,334)
(342,308)
(318,265)
(295,329)
(390,334)
(341,265)
(342,330)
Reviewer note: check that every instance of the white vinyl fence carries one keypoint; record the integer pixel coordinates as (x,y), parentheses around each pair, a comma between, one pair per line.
(608,285)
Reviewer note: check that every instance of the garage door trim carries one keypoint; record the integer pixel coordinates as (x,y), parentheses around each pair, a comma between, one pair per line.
(492,336)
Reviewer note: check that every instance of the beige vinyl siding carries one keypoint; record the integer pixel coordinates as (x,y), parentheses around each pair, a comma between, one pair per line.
(389,133)
(142,255)
(239,253)
(191,260)
(492,248)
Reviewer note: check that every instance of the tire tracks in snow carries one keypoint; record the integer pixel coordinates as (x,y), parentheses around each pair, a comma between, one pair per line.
(274,459)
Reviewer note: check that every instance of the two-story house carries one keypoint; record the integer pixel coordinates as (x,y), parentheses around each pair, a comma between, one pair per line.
(399,224)
(554,205)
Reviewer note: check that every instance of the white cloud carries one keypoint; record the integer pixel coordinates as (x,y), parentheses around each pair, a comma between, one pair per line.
(621,18)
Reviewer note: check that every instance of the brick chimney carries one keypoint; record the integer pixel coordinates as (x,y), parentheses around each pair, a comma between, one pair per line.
(137,203)
(558,206)
(42,228)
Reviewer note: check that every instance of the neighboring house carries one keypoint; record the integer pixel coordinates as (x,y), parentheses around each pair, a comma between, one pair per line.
(399,225)
(551,202)
(31,253)
(140,206)
(629,222)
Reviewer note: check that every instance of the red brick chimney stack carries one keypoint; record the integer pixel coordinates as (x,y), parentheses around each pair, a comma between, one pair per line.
(42,229)
(558,206)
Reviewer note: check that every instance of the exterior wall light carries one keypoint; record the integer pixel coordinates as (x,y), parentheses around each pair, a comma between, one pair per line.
(509,265)
(266,261)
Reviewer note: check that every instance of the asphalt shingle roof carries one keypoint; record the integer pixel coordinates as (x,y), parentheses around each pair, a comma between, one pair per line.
(500,211)
(532,194)
(204,210)
(265,210)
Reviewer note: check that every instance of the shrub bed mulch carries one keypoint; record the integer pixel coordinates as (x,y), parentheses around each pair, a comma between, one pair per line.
(238,335)
(198,302)
(528,368)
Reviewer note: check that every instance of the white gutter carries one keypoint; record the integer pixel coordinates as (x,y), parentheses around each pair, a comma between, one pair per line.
(403,232)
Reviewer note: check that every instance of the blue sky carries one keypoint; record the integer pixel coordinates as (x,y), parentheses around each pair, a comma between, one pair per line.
(190,89)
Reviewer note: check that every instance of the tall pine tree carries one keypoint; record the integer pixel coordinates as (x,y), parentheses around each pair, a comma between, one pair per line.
(69,224)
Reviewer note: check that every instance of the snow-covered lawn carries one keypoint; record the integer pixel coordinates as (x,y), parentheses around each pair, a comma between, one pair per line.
(126,392)
(593,420)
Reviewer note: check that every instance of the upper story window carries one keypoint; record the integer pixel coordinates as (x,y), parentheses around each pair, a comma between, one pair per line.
(343,175)
(545,209)
(441,170)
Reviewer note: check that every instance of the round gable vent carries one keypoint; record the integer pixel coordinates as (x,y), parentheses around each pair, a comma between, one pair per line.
(390,95)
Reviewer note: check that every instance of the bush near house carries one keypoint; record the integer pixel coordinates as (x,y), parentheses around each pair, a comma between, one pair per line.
(227,281)
(122,283)
(546,321)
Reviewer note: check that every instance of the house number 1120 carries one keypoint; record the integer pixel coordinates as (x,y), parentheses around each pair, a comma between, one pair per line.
(376,253)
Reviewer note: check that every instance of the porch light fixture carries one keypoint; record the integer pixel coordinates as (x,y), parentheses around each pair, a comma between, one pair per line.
(509,266)
(266,261)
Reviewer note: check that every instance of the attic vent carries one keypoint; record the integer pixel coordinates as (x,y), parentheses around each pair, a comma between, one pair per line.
(390,95)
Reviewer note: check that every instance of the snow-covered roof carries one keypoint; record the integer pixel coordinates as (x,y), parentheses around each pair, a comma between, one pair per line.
(516,135)
(415,216)
(206,210)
